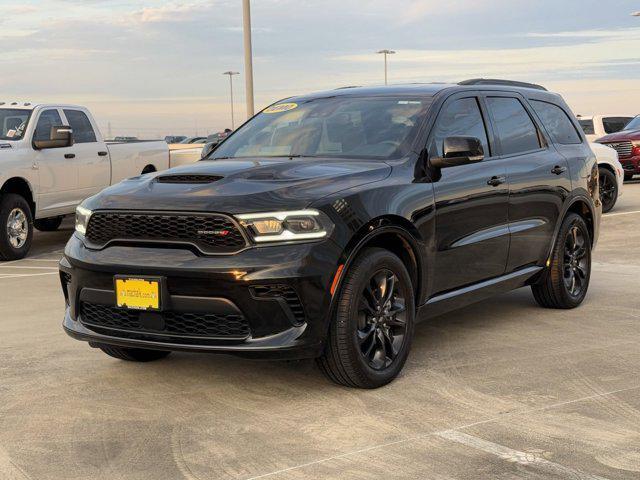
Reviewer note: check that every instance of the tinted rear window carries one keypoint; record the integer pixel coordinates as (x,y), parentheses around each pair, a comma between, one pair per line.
(587,127)
(557,123)
(615,124)
(515,129)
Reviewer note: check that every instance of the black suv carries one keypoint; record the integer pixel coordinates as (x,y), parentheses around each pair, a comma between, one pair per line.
(329,224)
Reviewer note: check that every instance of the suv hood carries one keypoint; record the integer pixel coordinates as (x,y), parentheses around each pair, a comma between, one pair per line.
(620,136)
(242,186)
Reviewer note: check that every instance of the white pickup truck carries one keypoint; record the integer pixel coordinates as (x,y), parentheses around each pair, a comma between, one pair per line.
(51,158)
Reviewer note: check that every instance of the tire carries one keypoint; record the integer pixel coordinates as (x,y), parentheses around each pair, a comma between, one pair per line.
(367,346)
(133,354)
(570,259)
(628,176)
(148,169)
(15,239)
(48,224)
(608,189)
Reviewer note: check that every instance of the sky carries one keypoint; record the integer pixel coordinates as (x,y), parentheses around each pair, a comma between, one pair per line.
(151,68)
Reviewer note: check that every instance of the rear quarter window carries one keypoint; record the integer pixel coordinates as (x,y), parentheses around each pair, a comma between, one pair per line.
(557,123)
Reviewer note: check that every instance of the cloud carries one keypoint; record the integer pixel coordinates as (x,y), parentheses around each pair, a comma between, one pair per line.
(20,9)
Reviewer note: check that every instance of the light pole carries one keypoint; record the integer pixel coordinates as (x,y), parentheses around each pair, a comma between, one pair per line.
(248,56)
(231,74)
(385,53)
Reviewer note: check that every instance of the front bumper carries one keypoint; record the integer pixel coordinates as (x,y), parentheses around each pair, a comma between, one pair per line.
(631,165)
(271,302)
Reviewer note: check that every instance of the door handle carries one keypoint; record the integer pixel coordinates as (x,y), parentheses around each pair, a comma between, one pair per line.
(103,154)
(496,180)
(69,155)
(558,170)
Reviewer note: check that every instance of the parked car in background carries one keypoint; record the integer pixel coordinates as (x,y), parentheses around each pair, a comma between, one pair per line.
(611,175)
(192,140)
(597,126)
(174,138)
(51,158)
(330,223)
(627,144)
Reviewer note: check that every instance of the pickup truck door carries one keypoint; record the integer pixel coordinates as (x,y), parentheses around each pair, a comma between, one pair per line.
(57,169)
(92,156)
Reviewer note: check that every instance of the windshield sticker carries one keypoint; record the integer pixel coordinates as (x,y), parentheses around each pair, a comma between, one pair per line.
(11,133)
(409,102)
(281,107)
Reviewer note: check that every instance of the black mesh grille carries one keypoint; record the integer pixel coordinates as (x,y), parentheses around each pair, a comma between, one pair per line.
(175,323)
(193,179)
(285,292)
(210,233)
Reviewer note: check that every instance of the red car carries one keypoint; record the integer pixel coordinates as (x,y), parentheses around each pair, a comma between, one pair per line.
(627,144)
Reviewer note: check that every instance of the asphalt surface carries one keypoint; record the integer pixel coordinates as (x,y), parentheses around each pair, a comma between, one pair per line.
(502,389)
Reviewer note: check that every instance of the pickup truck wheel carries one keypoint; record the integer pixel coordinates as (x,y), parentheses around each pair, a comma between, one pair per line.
(48,224)
(565,282)
(608,189)
(133,354)
(16,227)
(372,328)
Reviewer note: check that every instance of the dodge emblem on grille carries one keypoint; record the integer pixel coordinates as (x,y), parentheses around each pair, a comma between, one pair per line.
(220,233)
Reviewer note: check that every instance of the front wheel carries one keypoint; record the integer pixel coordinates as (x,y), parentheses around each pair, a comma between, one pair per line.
(372,328)
(16,227)
(565,282)
(608,189)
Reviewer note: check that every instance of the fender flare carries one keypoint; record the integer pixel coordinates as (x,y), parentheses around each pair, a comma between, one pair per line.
(571,201)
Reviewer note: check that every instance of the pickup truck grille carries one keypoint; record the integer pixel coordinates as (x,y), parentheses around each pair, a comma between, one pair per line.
(623,148)
(210,233)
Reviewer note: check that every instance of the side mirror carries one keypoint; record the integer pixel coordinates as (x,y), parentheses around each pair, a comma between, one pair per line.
(459,151)
(207,149)
(59,137)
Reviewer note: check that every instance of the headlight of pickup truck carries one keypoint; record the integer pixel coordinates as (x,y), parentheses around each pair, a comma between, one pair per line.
(286,226)
(82,219)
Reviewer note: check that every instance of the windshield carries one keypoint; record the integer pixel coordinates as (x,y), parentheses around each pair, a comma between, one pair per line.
(13,123)
(633,124)
(587,126)
(341,127)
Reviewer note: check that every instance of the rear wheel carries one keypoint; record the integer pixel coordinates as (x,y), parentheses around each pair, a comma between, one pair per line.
(565,282)
(16,227)
(133,354)
(608,189)
(48,224)
(371,332)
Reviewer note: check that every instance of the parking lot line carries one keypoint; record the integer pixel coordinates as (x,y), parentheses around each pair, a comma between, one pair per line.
(28,268)
(461,427)
(620,213)
(516,456)
(20,275)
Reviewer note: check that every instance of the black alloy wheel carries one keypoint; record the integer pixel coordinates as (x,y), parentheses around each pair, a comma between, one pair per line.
(608,189)
(382,323)
(372,323)
(576,262)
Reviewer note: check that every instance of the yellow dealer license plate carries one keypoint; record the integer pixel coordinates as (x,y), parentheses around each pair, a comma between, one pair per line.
(138,293)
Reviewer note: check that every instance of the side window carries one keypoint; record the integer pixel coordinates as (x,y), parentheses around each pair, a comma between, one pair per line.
(461,118)
(615,124)
(48,119)
(557,123)
(514,127)
(587,127)
(82,129)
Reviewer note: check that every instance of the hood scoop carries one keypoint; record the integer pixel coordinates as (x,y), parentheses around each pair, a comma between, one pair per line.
(190,179)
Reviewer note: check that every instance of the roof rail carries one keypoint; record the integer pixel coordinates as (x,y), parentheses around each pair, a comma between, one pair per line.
(509,83)
(347,86)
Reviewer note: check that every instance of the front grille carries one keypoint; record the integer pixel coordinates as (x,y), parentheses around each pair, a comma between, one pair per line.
(287,293)
(623,148)
(177,324)
(188,178)
(211,233)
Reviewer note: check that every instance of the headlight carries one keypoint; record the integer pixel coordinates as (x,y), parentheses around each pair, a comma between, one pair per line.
(286,226)
(82,219)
